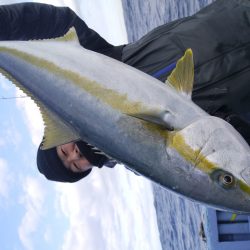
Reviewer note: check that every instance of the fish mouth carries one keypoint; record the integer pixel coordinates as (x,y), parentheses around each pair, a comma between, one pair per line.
(214,160)
(226,184)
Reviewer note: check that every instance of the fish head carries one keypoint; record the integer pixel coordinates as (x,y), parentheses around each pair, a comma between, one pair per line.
(220,164)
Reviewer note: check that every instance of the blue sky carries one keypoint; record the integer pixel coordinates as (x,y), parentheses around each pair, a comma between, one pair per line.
(111,209)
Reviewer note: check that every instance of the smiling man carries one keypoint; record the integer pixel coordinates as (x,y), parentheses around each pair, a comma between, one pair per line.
(71,162)
(72,158)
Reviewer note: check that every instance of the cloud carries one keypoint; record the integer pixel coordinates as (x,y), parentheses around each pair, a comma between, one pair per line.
(107,210)
(10,1)
(5,179)
(47,235)
(33,201)
(97,16)
(72,4)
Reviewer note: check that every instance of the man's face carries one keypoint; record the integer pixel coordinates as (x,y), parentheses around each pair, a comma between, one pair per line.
(72,158)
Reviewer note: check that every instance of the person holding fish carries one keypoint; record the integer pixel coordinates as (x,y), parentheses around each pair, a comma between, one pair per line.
(221,66)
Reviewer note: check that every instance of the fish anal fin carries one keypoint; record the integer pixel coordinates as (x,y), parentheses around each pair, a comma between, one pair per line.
(55,132)
(70,36)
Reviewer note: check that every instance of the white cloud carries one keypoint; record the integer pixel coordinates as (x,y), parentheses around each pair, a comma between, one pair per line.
(72,4)
(10,1)
(33,201)
(47,235)
(5,179)
(107,210)
(97,15)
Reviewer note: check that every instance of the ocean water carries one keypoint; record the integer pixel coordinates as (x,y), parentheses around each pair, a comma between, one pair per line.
(179,220)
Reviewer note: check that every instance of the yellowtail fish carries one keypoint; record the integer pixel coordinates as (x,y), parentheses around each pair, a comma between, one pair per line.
(152,127)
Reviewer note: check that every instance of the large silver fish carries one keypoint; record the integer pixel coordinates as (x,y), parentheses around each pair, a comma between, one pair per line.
(152,127)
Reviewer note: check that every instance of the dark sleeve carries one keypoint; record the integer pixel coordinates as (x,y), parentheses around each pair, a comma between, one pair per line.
(26,21)
(242,125)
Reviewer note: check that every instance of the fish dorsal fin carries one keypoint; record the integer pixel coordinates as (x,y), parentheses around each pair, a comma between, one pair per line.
(182,77)
(55,132)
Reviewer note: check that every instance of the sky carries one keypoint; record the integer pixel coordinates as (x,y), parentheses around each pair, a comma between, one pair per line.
(110,209)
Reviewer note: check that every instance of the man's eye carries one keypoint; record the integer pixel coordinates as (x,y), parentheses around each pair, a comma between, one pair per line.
(78,152)
(76,149)
(63,152)
(75,165)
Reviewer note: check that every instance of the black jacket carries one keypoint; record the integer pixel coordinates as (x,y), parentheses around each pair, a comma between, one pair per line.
(26,21)
(222,58)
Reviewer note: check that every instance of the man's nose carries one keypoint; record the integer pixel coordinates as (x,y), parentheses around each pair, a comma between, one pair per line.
(72,156)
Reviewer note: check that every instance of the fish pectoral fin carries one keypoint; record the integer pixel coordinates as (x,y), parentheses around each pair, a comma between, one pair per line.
(182,77)
(162,118)
(56,132)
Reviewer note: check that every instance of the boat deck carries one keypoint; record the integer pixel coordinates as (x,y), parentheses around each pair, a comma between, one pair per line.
(224,231)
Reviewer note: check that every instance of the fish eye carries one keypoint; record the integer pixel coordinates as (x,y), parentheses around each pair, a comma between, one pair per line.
(224,179)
